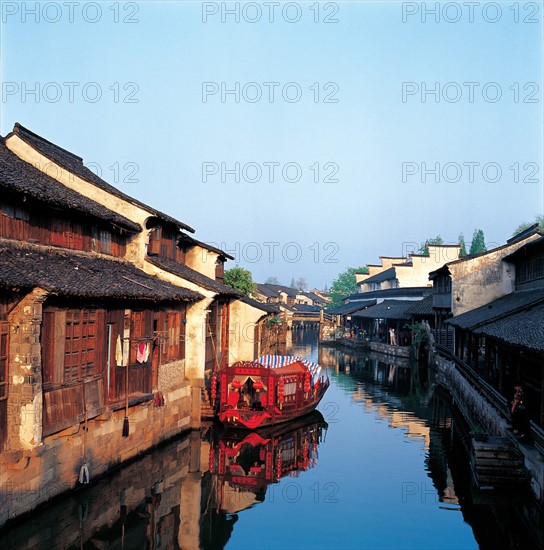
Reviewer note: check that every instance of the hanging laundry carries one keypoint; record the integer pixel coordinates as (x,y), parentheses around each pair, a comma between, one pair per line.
(147,351)
(140,356)
(118,352)
(126,349)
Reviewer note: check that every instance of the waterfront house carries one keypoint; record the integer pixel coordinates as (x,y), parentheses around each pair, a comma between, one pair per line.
(502,340)
(110,312)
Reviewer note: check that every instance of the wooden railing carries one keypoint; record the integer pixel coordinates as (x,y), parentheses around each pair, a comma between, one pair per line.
(491,394)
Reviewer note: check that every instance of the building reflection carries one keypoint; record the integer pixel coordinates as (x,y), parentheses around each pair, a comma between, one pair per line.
(191,492)
(405,396)
(241,465)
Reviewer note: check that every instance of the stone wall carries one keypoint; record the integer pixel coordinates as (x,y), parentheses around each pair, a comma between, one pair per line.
(477,410)
(31,477)
(25,388)
(148,491)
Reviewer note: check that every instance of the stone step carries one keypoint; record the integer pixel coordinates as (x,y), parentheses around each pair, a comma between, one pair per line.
(503,464)
(503,455)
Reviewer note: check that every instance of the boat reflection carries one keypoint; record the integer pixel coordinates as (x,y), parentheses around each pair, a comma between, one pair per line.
(248,462)
(241,466)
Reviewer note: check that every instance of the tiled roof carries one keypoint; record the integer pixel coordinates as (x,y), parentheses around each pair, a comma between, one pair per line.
(306,308)
(525,328)
(385,275)
(346,309)
(74,164)
(80,274)
(192,241)
(444,270)
(316,299)
(501,307)
(273,290)
(526,250)
(423,307)
(20,176)
(193,276)
(388,309)
(403,292)
(268,308)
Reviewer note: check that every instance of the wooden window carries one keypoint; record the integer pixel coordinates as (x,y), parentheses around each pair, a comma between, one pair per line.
(21,213)
(53,346)
(105,242)
(530,270)
(140,333)
(80,348)
(173,341)
(219,270)
(154,247)
(72,345)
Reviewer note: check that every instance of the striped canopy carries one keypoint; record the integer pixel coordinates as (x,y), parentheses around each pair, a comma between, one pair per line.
(275,361)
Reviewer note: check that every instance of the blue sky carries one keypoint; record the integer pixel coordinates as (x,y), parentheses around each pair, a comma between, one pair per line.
(346,146)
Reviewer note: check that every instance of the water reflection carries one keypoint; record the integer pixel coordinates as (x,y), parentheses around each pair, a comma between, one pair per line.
(242,465)
(396,457)
(405,396)
(153,502)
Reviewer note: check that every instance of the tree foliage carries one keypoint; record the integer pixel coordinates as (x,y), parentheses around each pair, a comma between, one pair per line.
(344,285)
(463,251)
(293,284)
(272,281)
(301,283)
(477,246)
(240,279)
(423,249)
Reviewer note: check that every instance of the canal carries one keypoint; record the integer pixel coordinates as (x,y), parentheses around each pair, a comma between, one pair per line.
(384,465)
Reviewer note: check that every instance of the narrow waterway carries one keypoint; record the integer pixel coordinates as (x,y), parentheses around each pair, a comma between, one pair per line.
(383,465)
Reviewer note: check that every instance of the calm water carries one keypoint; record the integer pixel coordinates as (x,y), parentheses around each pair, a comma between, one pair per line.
(384,467)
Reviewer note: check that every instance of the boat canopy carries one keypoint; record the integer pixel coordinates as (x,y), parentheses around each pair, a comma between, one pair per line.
(278,361)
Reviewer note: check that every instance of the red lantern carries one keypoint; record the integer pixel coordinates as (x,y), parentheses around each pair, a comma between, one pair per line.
(236,384)
(278,465)
(307,383)
(258,386)
(214,387)
(281,385)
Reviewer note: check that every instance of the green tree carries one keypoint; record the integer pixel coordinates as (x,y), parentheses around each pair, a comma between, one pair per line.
(344,285)
(240,279)
(523,226)
(424,249)
(272,281)
(463,251)
(477,246)
(293,284)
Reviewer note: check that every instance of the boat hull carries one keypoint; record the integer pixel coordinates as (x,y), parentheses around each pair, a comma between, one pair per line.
(254,419)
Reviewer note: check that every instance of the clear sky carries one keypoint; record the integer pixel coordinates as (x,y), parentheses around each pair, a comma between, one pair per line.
(301,137)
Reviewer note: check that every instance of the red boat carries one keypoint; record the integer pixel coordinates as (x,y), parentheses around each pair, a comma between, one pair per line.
(270,390)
